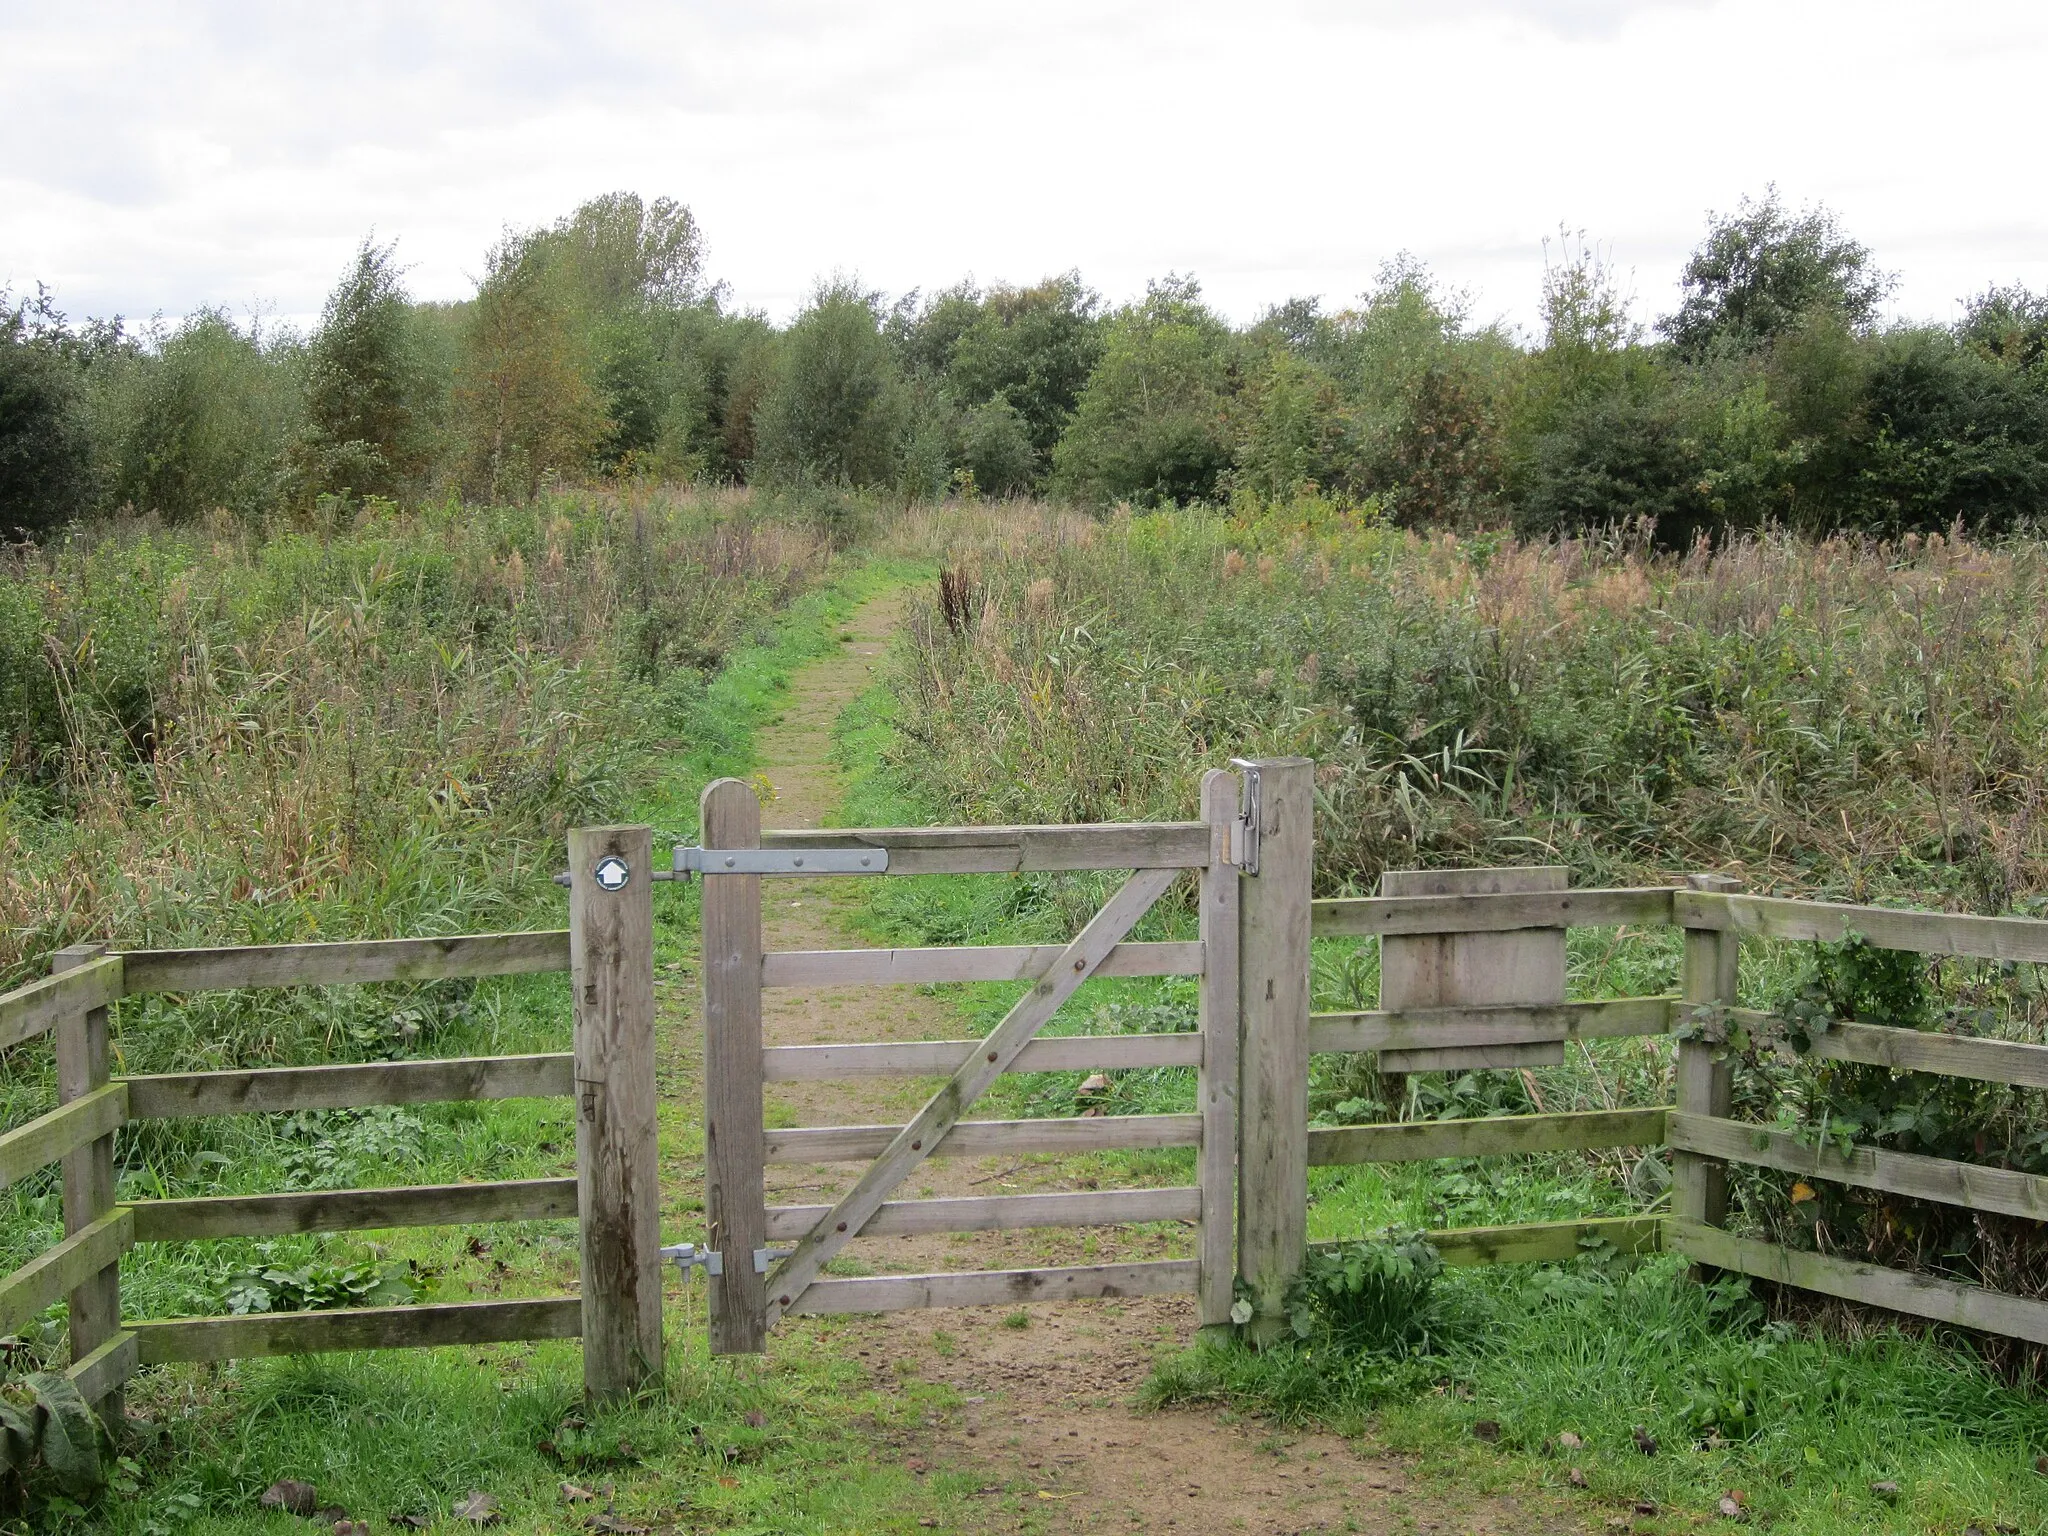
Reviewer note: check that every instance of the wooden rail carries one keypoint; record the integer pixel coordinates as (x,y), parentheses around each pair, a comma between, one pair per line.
(1933,933)
(941,1058)
(1423,1140)
(1006,962)
(353,1210)
(1361,916)
(1017,850)
(30,1010)
(998,1287)
(62,1269)
(327,965)
(991,1213)
(417,1327)
(987,1138)
(1542,1242)
(29,1148)
(349,1086)
(1428,1028)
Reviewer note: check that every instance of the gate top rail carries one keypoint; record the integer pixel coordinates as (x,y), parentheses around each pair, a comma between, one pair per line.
(1017,850)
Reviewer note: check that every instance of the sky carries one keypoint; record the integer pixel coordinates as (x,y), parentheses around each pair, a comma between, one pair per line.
(167,156)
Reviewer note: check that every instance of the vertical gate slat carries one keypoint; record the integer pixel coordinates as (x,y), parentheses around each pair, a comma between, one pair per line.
(735,1191)
(1216,1089)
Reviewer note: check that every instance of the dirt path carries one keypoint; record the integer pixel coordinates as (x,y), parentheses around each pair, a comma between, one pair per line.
(1050,1429)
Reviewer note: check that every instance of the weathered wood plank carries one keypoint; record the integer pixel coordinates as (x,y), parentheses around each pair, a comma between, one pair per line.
(27,1148)
(60,1271)
(1014,850)
(998,1287)
(299,1333)
(911,1145)
(1907,1050)
(1546,1242)
(618,1169)
(99,1374)
(986,1138)
(1422,1140)
(1932,933)
(1518,968)
(1969,1185)
(353,1210)
(1216,1090)
(941,1058)
(282,1089)
(992,1213)
(1417,1028)
(29,1010)
(1944,1301)
(1360,916)
(734,1192)
(1273,1003)
(84,1063)
(338,964)
(1007,962)
(1703,1082)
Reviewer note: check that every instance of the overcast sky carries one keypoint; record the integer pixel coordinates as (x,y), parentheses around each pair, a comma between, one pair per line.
(160,157)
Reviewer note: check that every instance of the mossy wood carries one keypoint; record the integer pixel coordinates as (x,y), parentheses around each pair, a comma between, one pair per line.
(353,1210)
(1423,1140)
(337,964)
(42,1141)
(417,1327)
(351,1085)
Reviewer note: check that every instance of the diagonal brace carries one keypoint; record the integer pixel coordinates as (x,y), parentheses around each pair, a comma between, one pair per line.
(917,1140)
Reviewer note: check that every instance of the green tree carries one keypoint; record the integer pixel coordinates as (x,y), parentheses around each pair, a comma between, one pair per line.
(836,412)
(45,449)
(1152,425)
(1032,348)
(1761,269)
(364,430)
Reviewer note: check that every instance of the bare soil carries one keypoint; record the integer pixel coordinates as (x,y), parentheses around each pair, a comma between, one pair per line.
(1050,1428)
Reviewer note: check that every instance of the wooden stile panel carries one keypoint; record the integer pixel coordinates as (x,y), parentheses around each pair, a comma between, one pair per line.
(1416,1141)
(734,1189)
(1216,1090)
(29,1010)
(1009,962)
(1273,962)
(994,1213)
(32,1147)
(1417,1028)
(340,964)
(1944,1301)
(270,1090)
(298,1333)
(997,1287)
(353,1210)
(1363,916)
(1518,968)
(942,1058)
(62,1269)
(1970,1185)
(1930,933)
(618,1173)
(1012,850)
(985,1138)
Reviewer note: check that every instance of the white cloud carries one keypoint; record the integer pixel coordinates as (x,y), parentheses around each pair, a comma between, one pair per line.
(163,158)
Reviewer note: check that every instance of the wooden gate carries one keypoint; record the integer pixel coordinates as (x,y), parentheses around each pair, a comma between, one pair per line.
(753,1285)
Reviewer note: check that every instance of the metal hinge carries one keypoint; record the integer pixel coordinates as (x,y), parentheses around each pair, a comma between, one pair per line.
(1245,844)
(685,1255)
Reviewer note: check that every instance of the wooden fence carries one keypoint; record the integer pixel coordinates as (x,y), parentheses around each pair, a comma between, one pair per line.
(607,950)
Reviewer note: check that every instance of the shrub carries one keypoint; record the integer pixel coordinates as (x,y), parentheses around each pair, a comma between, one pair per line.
(836,410)
(45,450)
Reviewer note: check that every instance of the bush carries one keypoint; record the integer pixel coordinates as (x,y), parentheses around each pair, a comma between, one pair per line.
(836,411)
(1368,1297)
(45,450)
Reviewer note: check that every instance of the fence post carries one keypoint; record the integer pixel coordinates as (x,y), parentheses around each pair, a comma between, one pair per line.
(83,1064)
(735,1189)
(1699,1185)
(1216,1089)
(611,975)
(1273,1006)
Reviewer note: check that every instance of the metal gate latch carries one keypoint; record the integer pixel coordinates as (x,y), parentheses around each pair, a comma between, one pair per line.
(1251,812)
(778,861)
(763,1257)
(687,1254)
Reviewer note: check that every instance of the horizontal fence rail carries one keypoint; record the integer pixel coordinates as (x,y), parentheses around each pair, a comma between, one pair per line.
(999,1287)
(1010,962)
(1417,1141)
(941,1058)
(63,1268)
(987,1138)
(1365,916)
(1929,933)
(414,1327)
(336,964)
(1432,1028)
(351,1085)
(353,1210)
(31,1010)
(991,1213)
(1543,1242)
(1017,850)
(32,1147)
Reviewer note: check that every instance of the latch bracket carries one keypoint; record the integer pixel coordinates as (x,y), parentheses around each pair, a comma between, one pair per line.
(686,1255)
(1251,812)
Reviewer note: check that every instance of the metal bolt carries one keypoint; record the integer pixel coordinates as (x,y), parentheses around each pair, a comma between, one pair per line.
(783,1302)
(730,861)
(917,1146)
(798,861)
(842,1226)
(1080,965)
(991,1055)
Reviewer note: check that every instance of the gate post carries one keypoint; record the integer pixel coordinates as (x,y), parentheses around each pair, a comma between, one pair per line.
(1216,1091)
(1274,967)
(735,1189)
(1704,1086)
(618,1192)
(83,1064)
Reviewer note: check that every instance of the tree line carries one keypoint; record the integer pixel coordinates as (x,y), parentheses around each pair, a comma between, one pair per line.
(1774,393)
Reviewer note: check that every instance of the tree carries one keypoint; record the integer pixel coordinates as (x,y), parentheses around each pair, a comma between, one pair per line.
(362,433)
(1761,269)
(45,452)
(835,413)
(1032,348)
